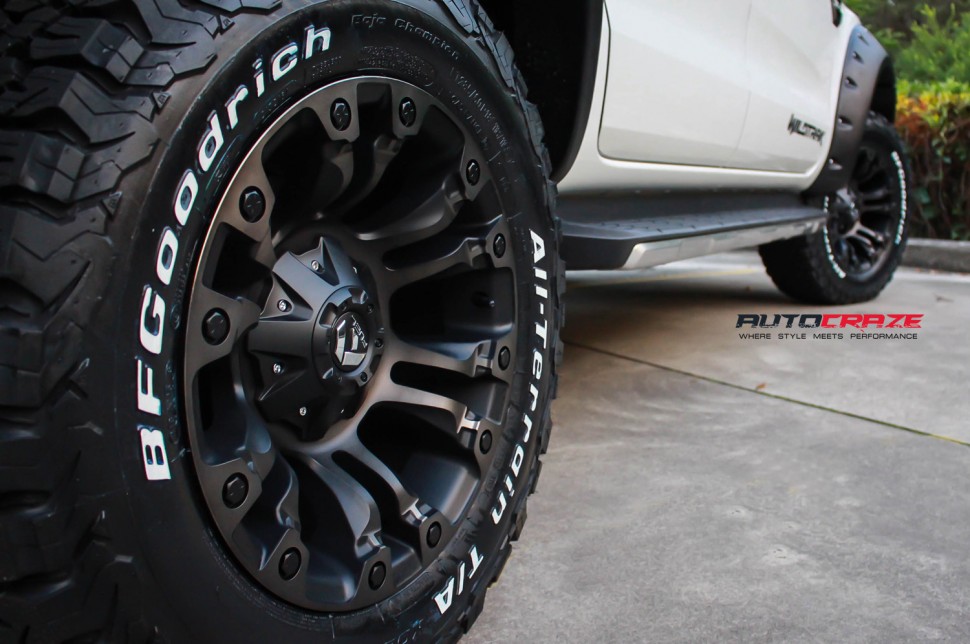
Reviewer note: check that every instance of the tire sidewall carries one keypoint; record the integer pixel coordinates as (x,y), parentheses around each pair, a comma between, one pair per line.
(196,590)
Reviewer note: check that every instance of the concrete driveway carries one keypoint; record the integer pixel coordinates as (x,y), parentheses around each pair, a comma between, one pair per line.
(700,487)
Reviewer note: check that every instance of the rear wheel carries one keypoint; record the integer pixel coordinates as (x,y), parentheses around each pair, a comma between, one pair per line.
(299,388)
(854,257)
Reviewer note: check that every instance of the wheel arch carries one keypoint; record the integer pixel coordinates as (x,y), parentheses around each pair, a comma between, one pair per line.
(556,45)
(884,97)
(868,83)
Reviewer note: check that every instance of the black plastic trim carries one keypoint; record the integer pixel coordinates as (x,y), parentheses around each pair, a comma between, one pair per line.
(587,84)
(864,64)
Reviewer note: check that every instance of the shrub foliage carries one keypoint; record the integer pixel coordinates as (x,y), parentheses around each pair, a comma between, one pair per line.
(930,44)
(934,120)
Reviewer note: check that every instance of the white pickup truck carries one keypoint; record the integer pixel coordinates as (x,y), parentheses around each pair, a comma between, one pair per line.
(281,280)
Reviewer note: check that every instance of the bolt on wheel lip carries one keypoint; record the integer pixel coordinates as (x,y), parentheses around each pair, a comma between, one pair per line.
(235,491)
(252,204)
(473,172)
(407,112)
(215,328)
(499,246)
(340,114)
(290,564)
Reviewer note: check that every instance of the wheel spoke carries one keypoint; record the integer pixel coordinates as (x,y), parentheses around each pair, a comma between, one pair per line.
(868,250)
(876,209)
(370,163)
(285,501)
(466,363)
(463,255)
(426,218)
(338,156)
(357,505)
(395,393)
(406,503)
(876,238)
(241,314)
(438,258)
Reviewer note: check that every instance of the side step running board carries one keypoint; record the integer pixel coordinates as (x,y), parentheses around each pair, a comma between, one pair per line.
(639,232)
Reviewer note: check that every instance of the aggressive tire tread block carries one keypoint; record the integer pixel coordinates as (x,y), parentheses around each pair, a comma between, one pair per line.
(78,94)
(800,267)
(77,98)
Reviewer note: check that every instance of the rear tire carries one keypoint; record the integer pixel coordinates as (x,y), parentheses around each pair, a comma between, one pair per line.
(112,172)
(855,256)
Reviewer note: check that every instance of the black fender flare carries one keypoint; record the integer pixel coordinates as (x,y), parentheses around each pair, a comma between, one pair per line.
(868,82)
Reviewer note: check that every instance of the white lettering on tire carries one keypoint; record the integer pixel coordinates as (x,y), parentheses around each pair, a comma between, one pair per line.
(445,597)
(151,322)
(151,337)
(153,455)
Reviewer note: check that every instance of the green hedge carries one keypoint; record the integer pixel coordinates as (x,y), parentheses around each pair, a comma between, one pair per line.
(930,44)
(934,120)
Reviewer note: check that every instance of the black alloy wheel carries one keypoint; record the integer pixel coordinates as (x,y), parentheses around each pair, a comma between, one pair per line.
(855,254)
(866,216)
(367,317)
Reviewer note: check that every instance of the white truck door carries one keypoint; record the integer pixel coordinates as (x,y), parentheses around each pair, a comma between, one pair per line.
(795,55)
(677,89)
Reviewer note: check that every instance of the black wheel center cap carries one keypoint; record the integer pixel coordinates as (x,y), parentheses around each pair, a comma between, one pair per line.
(846,210)
(349,341)
(318,339)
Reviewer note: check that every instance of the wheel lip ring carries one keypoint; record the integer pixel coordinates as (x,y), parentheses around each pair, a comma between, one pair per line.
(187,388)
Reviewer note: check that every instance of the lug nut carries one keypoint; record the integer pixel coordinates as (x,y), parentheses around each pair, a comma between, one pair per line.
(408,112)
(315,266)
(378,344)
(377,575)
(215,327)
(303,411)
(235,491)
(504,358)
(363,377)
(290,564)
(499,246)
(485,442)
(283,306)
(252,205)
(340,114)
(473,172)
(277,368)
(434,534)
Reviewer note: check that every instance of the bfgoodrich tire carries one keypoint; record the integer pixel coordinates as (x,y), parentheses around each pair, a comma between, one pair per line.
(279,309)
(854,257)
